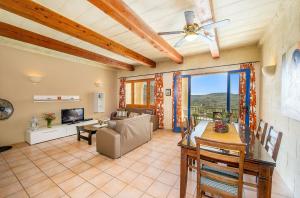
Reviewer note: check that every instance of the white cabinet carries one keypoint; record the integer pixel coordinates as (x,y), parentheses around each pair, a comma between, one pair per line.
(99,103)
(58,131)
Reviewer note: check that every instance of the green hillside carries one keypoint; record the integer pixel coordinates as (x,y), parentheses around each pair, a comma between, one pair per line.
(215,100)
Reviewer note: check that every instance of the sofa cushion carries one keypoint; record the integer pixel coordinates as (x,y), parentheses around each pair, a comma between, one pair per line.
(133,114)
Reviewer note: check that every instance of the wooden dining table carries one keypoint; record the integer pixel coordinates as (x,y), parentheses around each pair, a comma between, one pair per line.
(258,161)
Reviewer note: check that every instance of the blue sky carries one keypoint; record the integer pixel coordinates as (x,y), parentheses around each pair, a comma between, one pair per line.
(213,83)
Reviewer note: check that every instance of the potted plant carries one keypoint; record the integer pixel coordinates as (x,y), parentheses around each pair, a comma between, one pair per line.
(49,117)
(221,122)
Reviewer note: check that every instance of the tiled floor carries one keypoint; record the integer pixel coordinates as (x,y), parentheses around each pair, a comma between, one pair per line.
(68,168)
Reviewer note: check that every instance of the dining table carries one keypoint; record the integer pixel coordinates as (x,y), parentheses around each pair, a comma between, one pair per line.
(258,161)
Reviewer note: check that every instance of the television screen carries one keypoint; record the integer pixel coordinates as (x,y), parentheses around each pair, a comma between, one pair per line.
(72,115)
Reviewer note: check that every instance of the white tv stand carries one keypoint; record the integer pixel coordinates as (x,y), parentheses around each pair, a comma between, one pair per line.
(57,131)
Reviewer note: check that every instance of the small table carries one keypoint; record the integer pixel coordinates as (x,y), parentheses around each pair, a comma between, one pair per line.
(90,129)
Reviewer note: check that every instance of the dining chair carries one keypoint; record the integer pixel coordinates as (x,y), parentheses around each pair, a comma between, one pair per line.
(273,142)
(185,129)
(261,131)
(213,175)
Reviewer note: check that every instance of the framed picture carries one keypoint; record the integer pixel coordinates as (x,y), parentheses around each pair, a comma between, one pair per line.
(168,92)
(290,84)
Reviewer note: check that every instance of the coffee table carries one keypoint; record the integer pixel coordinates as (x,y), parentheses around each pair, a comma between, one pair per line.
(90,129)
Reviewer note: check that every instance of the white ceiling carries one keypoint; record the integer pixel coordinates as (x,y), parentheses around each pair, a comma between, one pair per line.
(249,19)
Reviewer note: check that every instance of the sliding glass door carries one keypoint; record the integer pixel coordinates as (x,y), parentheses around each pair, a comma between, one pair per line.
(202,95)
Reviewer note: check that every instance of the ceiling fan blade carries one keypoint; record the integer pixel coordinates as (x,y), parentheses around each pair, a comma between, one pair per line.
(189,17)
(168,33)
(217,24)
(204,38)
(180,42)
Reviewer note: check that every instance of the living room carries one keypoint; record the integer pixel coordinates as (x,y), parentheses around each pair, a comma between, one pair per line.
(106,98)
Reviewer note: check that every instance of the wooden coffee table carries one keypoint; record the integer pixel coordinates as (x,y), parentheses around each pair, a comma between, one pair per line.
(90,129)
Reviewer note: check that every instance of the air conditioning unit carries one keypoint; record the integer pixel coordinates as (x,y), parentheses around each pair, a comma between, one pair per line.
(99,103)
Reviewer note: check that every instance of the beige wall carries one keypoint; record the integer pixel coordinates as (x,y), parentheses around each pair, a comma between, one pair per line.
(228,57)
(61,77)
(282,34)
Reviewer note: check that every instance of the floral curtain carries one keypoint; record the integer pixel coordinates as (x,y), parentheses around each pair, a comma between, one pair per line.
(242,105)
(122,101)
(159,99)
(176,94)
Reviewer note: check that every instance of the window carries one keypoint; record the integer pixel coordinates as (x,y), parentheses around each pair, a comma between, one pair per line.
(140,93)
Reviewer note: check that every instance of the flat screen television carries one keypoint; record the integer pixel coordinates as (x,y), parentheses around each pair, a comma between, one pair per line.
(72,115)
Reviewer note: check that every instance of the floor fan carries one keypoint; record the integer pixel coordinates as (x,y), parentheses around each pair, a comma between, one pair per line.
(6,110)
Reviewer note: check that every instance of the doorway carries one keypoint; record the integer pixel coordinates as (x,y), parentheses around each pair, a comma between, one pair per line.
(201,95)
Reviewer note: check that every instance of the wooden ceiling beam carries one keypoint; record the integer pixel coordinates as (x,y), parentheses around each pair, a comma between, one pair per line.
(122,13)
(40,14)
(204,9)
(26,36)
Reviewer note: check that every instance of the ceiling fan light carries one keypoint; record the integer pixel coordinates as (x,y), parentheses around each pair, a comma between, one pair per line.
(191,37)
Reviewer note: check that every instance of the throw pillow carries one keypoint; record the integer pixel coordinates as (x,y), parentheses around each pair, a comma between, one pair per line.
(119,113)
(133,114)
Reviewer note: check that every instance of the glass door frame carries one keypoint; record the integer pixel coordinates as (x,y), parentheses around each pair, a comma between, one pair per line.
(175,127)
(247,96)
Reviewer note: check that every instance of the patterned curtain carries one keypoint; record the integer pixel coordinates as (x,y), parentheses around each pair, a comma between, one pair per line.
(252,108)
(122,101)
(159,99)
(176,94)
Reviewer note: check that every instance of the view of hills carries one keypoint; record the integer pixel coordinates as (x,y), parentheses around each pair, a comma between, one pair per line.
(215,100)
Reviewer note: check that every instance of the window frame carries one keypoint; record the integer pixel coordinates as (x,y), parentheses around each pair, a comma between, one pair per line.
(147,105)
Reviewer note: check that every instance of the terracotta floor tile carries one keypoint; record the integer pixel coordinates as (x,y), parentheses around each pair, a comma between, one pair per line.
(90,173)
(138,167)
(168,178)
(115,170)
(10,189)
(145,195)
(71,183)
(159,159)
(142,182)
(113,187)
(39,187)
(95,160)
(53,192)
(127,176)
(158,189)
(63,176)
(147,160)
(80,167)
(104,165)
(99,194)
(8,180)
(84,190)
(101,179)
(131,192)
(29,181)
(19,194)
(55,170)
(125,162)
(28,173)
(152,172)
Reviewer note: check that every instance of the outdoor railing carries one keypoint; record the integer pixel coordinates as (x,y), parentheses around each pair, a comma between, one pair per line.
(206,113)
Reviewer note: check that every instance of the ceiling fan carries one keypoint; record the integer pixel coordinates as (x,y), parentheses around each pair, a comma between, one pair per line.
(192,30)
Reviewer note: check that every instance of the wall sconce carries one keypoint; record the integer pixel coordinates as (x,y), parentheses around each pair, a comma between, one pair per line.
(35,78)
(269,70)
(98,84)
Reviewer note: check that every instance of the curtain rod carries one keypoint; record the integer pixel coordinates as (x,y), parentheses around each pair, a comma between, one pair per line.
(199,68)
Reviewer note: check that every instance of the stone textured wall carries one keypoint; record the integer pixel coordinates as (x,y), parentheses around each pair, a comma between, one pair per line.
(282,33)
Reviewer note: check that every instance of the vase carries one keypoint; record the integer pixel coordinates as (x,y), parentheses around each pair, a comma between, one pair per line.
(49,123)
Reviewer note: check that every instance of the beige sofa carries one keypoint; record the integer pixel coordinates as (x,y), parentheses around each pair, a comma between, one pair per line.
(154,118)
(125,136)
